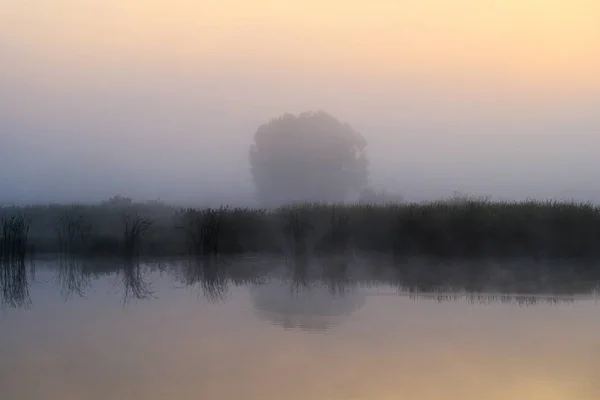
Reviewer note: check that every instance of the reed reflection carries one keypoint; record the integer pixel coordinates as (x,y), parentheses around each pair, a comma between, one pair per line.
(523,282)
(209,274)
(132,276)
(14,276)
(15,280)
(74,277)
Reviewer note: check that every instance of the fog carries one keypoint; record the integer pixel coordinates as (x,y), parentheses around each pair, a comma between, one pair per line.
(148,102)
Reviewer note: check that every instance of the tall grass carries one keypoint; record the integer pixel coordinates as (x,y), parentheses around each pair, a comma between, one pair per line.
(461,228)
(297,227)
(134,229)
(15,233)
(73,233)
(202,229)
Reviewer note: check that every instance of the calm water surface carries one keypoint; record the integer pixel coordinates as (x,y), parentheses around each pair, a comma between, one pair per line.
(173,331)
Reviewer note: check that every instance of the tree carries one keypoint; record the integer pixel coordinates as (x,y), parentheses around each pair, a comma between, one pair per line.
(309,157)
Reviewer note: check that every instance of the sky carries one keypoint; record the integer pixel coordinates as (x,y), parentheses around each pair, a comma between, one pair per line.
(160,99)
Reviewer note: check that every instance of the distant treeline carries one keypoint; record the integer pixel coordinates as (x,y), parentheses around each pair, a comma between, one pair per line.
(460,228)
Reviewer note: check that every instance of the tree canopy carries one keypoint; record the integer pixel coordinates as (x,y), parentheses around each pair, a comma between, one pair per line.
(308,157)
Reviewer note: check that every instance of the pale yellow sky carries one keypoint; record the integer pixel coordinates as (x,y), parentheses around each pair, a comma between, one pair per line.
(554,42)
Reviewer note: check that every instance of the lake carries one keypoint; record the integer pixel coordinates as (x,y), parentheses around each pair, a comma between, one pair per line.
(263,328)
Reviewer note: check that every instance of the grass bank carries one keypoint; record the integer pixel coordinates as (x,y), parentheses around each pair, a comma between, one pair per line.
(445,229)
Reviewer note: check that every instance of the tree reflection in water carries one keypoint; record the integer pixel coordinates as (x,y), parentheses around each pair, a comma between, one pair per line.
(311,296)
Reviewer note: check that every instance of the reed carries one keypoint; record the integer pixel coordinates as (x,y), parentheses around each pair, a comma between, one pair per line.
(448,229)
(134,229)
(73,233)
(296,228)
(14,239)
(202,229)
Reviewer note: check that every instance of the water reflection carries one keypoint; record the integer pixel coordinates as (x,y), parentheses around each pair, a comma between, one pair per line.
(342,277)
(212,277)
(313,309)
(73,277)
(209,274)
(15,279)
(336,275)
(380,342)
(14,276)
(520,300)
(309,296)
(134,282)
